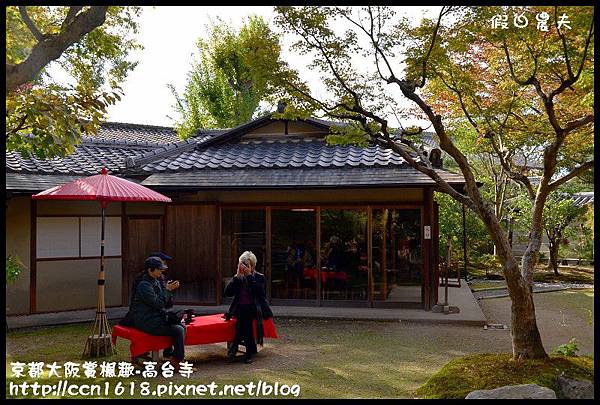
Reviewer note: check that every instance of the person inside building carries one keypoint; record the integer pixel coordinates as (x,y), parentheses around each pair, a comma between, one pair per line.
(249,303)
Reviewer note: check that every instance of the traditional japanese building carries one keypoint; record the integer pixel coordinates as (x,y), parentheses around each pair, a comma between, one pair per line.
(330,225)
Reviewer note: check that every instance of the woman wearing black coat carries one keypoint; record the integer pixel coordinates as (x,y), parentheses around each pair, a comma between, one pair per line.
(148,307)
(249,303)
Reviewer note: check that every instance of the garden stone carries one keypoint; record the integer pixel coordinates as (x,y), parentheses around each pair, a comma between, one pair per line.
(575,389)
(522,391)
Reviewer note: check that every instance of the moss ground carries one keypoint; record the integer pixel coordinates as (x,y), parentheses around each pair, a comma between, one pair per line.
(490,370)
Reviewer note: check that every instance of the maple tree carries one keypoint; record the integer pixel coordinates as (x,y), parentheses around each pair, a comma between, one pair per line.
(516,89)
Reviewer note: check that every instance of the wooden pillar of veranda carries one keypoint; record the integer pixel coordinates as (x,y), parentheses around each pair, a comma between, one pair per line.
(435,235)
(428,214)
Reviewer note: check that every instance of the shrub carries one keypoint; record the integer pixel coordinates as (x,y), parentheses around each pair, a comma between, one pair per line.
(568,349)
(14,267)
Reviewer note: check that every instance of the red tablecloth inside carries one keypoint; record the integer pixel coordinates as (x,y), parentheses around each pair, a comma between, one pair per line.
(311,273)
(203,330)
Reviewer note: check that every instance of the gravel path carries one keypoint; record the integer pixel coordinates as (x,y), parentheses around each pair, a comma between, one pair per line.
(560,316)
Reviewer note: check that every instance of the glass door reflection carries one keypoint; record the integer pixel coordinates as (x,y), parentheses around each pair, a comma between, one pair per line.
(241,230)
(344,271)
(397,256)
(293,254)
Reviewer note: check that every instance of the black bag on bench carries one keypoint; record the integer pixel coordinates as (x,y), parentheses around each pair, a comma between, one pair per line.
(174,317)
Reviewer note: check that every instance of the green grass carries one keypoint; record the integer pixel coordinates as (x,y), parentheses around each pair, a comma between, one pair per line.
(487,371)
(567,274)
(328,359)
(486,285)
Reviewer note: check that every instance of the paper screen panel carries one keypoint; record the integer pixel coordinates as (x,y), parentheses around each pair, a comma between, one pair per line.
(57,237)
(91,229)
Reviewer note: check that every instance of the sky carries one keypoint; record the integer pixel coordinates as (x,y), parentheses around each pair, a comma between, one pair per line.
(169,36)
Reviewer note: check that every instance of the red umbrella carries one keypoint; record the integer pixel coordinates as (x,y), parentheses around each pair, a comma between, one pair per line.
(103,188)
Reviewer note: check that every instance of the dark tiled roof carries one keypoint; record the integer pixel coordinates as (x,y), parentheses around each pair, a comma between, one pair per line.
(430,139)
(326,122)
(284,153)
(294,178)
(31,182)
(219,157)
(165,151)
(131,133)
(141,134)
(583,198)
(88,159)
(35,182)
(110,148)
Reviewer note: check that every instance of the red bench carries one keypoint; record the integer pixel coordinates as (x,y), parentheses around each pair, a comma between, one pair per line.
(203,330)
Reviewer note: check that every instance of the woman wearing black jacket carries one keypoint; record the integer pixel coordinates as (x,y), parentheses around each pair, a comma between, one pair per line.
(249,303)
(148,307)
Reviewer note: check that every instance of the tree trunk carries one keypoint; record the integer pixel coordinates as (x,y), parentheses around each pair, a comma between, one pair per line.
(526,339)
(553,263)
(527,342)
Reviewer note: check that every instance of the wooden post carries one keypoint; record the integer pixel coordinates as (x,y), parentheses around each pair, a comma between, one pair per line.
(33,259)
(318,250)
(427,221)
(219,281)
(447,266)
(464,224)
(394,246)
(383,250)
(268,262)
(370,254)
(435,234)
(124,257)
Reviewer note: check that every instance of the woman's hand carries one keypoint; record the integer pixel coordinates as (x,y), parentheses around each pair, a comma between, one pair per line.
(242,270)
(172,285)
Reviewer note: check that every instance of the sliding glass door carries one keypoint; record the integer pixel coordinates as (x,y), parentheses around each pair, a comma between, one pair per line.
(344,271)
(241,230)
(293,254)
(337,272)
(397,257)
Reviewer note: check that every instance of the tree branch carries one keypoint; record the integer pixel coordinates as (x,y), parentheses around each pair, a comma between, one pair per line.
(30,24)
(516,176)
(587,44)
(564,43)
(445,10)
(51,47)
(573,125)
(73,10)
(573,173)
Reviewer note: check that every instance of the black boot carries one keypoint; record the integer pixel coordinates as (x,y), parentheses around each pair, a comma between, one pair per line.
(168,352)
(232,352)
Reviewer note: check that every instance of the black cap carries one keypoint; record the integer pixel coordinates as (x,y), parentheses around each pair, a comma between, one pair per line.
(161,255)
(154,262)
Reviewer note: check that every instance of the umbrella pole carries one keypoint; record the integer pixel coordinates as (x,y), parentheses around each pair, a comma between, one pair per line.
(101,341)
